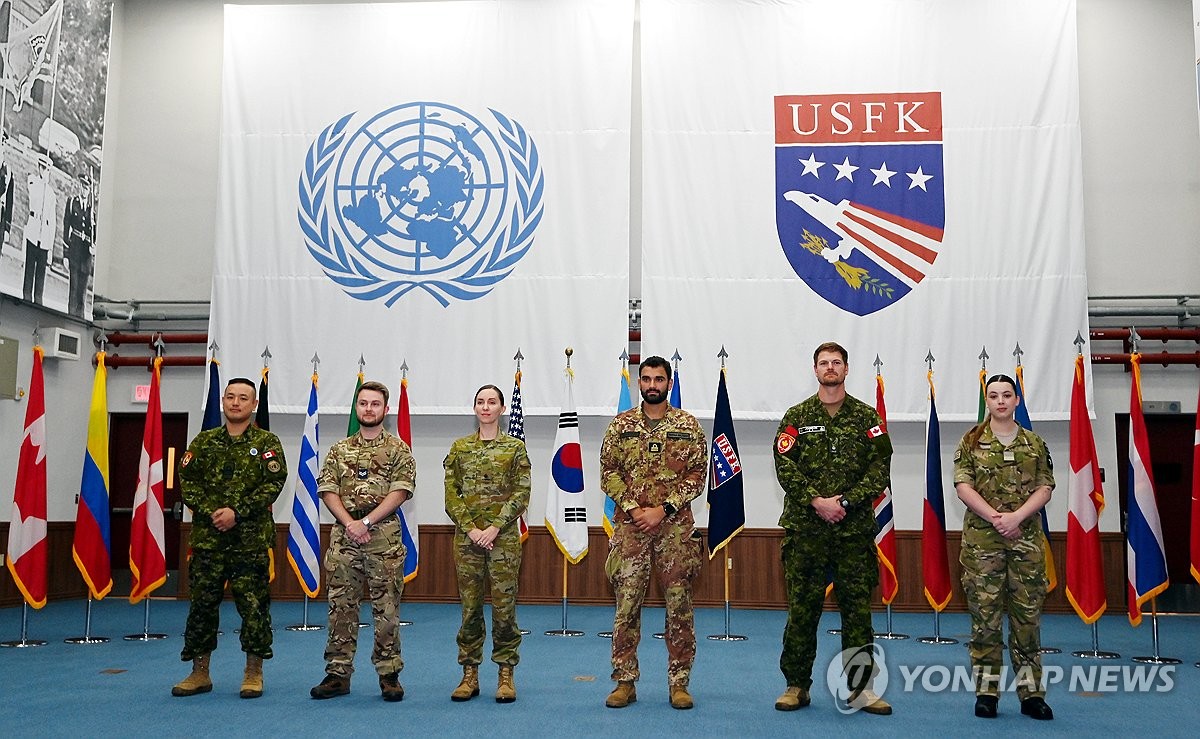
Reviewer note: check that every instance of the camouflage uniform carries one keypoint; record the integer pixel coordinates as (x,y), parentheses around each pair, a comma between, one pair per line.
(1001,574)
(362,472)
(245,473)
(818,456)
(643,463)
(487,484)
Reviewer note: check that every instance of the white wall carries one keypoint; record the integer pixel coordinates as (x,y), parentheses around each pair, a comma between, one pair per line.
(1141,152)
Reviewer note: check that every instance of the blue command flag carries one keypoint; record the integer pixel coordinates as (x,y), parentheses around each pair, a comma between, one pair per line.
(726,498)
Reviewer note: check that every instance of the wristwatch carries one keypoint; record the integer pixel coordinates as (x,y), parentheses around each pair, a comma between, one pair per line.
(669,509)
(844,503)
(366,522)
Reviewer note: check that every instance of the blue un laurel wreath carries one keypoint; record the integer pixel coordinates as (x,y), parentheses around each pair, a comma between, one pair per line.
(423,196)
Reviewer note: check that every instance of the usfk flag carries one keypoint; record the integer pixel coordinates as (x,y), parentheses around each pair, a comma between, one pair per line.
(92,546)
(566,510)
(304,530)
(874,161)
(1145,555)
(726,493)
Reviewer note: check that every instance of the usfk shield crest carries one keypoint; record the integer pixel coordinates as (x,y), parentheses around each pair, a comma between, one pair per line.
(860,203)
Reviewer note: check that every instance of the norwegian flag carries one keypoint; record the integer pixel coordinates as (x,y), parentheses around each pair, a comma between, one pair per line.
(147,546)
(885,537)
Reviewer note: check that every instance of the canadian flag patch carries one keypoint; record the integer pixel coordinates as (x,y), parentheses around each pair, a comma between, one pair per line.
(875,432)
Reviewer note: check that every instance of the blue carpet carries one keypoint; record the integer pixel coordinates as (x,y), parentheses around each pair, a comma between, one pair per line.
(122,688)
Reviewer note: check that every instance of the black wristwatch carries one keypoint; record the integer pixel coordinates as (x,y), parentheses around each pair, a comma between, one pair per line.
(844,503)
(669,509)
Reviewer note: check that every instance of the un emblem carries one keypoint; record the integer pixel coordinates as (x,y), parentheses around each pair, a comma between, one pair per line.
(422,196)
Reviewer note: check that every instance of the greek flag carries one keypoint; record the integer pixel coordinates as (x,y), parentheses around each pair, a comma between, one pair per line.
(304,531)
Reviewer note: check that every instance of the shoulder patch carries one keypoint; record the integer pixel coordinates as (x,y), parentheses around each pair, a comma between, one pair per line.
(875,432)
(187,457)
(269,454)
(786,440)
(273,465)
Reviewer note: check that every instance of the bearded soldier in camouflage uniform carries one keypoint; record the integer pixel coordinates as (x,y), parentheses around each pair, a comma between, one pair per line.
(229,477)
(832,458)
(487,489)
(364,480)
(653,462)
(1004,475)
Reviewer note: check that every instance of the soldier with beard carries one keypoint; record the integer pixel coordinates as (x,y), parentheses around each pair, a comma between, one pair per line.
(364,480)
(653,461)
(832,458)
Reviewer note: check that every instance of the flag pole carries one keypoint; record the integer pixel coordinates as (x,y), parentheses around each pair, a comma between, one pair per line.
(937,637)
(727,636)
(145,635)
(564,631)
(1094,652)
(87,637)
(24,641)
(304,625)
(1156,658)
(889,634)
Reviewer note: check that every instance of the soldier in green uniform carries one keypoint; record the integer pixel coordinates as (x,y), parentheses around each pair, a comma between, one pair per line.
(487,489)
(832,458)
(1003,474)
(230,475)
(364,480)
(652,464)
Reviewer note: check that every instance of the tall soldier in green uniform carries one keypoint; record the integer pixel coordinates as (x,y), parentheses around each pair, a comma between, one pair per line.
(652,464)
(229,476)
(832,458)
(1004,475)
(487,489)
(364,480)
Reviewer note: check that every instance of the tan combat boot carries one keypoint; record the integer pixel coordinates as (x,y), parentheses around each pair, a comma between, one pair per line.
(198,681)
(252,681)
(622,695)
(680,698)
(506,692)
(793,698)
(869,702)
(469,687)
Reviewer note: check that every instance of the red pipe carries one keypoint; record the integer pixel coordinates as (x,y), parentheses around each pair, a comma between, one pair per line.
(147,338)
(112,360)
(1163,358)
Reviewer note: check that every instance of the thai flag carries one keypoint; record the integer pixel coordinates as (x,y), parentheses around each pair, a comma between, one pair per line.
(1145,555)
(885,536)
(304,531)
(92,546)
(935,565)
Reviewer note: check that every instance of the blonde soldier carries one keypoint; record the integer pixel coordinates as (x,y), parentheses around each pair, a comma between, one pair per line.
(487,488)
(653,461)
(1004,475)
(364,480)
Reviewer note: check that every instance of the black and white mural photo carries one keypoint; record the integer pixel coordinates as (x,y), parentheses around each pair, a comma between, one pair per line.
(53,76)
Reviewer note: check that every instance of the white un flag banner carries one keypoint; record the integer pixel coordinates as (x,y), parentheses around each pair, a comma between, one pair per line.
(414,170)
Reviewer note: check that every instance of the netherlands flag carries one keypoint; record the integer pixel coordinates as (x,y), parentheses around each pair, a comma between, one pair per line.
(1145,555)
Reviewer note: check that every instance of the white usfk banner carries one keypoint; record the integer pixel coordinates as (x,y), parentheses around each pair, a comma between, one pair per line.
(902,177)
(440,183)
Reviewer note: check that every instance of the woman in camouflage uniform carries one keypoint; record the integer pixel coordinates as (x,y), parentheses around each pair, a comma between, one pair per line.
(1003,474)
(487,489)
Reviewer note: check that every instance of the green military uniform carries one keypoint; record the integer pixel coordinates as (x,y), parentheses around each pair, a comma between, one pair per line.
(362,472)
(1001,574)
(487,484)
(647,463)
(818,456)
(245,473)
